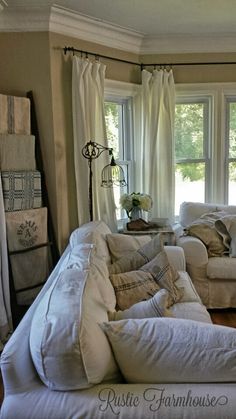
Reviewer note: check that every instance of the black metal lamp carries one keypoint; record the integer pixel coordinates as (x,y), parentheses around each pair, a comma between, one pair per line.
(112,174)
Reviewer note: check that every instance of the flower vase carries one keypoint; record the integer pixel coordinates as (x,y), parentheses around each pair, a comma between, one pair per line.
(135,213)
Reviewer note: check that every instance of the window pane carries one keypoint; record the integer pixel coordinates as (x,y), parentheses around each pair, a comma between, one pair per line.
(232,130)
(232,184)
(189,130)
(115,135)
(113,117)
(189,183)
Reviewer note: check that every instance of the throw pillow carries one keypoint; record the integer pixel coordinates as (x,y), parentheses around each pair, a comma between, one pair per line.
(154,307)
(164,276)
(122,244)
(204,229)
(139,257)
(166,350)
(132,287)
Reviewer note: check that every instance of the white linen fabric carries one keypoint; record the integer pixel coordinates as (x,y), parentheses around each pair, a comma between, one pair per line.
(89,125)
(68,348)
(154,117)
(5,308)
(167,350)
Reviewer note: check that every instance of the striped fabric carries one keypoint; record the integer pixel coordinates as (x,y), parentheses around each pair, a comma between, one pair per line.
(21,190)
(14,115)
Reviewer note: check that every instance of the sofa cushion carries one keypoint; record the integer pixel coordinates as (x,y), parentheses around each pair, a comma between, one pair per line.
(139,257)
(191,311)
(184,282)
(167,350)
(95,233)
(221,268)
(154,307)
(132,287)
(122,244)
(67,346)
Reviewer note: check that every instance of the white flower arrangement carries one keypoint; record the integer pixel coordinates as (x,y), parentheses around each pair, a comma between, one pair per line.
(136,200)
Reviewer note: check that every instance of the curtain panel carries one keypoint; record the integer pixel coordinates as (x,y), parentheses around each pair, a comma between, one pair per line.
(89,125)
(5,306)
(154,110)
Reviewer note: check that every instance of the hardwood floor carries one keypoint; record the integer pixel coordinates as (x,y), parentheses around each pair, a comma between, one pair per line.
(222,317)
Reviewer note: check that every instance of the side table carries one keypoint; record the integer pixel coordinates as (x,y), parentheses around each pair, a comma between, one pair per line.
(167,232)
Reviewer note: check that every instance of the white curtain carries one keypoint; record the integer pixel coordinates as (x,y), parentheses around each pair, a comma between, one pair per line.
(5,308)
(154,140)
(89,125)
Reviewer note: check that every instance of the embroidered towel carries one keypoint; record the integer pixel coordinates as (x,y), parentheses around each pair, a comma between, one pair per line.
(14,115)
(26,229)
(17,152)
(21,190)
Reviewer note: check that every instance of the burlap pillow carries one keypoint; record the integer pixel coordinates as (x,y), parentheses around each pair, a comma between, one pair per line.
(138,258)
(154,307)
(132,287)
(123,244)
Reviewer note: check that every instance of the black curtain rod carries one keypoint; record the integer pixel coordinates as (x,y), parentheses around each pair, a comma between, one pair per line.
(142,65)
(73,50)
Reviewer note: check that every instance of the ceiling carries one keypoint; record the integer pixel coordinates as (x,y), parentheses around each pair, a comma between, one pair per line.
(153,17)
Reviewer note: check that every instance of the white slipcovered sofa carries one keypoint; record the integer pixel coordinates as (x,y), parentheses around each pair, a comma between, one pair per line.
(65,360)
(214,277)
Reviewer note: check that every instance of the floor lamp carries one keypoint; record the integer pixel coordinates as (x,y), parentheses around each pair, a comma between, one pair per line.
(112,173)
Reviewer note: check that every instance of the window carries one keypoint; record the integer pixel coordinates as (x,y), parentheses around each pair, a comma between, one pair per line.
(192,151)
(205,143)
(118,116)
(231,150)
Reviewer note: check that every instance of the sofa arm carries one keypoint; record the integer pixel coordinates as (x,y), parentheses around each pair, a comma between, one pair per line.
(176,257)
(194,249)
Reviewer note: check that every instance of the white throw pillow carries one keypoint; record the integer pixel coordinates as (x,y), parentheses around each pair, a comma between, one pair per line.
(68,348)
(166,350)
(154,307)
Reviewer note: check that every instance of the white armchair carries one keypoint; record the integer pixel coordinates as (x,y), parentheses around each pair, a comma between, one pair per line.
(214,277)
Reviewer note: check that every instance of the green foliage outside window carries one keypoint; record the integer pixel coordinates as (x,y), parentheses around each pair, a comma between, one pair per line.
(112,126)
(189,139)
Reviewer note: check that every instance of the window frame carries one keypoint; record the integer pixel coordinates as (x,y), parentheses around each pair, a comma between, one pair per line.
(207,121)
(123,93)
(228,99)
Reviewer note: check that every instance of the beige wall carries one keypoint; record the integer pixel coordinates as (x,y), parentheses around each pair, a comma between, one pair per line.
(35,61)
(197,74)
(25,66)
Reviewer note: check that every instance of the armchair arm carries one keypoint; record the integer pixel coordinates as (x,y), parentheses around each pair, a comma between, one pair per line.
(176,257)
(194,249)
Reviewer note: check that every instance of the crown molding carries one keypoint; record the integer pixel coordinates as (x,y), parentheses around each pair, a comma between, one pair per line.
(187,43)
(67,22)
(70,23)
